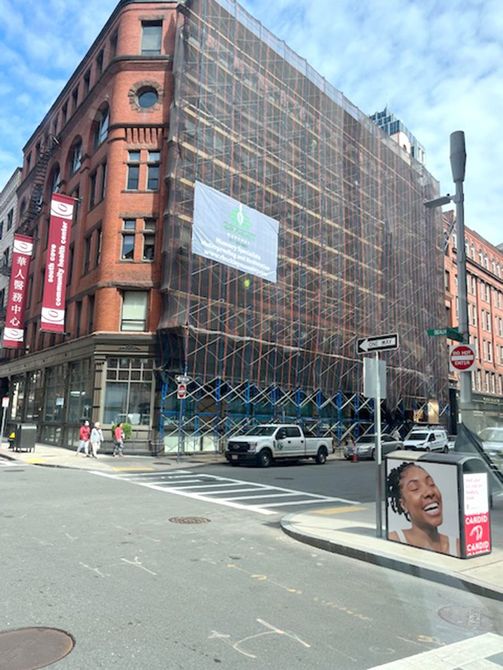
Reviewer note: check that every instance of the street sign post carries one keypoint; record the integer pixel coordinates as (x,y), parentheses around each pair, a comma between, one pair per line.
(462,358)
(370,345)
(373,345)
(451,333)
(5,405)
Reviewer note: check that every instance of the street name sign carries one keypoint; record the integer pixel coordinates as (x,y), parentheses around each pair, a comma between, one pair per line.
(367,345)
(451,333)
(462,357)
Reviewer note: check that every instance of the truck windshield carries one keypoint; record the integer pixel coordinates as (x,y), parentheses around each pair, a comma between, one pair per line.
(419,437)
(259,430)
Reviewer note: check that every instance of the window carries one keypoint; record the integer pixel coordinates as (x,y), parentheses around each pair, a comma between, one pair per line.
(76,157)
(87,254)
(99,63)
(70,266)
(153,170)
(446,280)
(151,35)
(5,258)
(97,248)
(90,313)
(87,82)
(78,314)
(487,293)
(10,219)
(76,208)
(2,299)
(1,229)
(41,287)
(28,162)
(133,171)
(147,97)
(103,189)
(64,113)
(128,239)
(148,239)
(75,98)
(128,394)
(134,311)
(92,190)
(101,125)
(113,45)
(55,183)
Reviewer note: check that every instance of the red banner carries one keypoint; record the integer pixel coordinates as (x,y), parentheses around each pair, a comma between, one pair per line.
(53,302)
(13,334)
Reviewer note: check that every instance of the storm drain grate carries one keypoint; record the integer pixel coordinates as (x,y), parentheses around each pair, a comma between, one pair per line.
(469,618)
(189,519)
(32,648)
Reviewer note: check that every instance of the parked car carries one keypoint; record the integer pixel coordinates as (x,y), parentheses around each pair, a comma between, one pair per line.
(365,446)
(492,441)
(266,443)
(427,439)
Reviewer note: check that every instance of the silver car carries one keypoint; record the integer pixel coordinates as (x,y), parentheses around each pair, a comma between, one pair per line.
(492,442)
(365,446)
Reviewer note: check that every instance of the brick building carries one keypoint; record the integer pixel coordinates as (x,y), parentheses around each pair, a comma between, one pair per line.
(176,92)
(484,265)
(8,214)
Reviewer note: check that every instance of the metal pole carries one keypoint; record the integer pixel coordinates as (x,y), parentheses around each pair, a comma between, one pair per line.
(377,418)
(458,163)
(4,412)
(180,420)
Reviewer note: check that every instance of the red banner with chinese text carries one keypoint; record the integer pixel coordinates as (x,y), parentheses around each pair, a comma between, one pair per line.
(13,334)
(53,302)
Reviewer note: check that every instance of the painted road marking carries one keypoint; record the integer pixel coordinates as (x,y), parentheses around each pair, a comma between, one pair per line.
(223,490)
(471,654)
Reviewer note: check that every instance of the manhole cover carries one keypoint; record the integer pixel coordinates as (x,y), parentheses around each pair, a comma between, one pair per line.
(469,618)
(32,648)
(188,519)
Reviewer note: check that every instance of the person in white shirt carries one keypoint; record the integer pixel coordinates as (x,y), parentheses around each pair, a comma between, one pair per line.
(96,439)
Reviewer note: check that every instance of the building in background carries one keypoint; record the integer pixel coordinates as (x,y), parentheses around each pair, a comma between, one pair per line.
(171,94)
(399,133)
(484,265)
(8,214)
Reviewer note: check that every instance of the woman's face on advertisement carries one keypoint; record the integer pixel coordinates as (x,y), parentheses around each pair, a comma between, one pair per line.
(420,497)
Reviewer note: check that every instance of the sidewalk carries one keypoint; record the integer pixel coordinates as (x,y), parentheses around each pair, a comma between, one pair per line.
(57,457)
(350,531)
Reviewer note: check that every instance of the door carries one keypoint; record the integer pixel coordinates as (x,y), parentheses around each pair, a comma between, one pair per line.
(292,444)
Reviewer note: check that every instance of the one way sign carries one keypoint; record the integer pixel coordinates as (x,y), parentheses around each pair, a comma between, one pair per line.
(365,345)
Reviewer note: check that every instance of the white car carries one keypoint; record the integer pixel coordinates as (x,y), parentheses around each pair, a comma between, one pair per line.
(427,439)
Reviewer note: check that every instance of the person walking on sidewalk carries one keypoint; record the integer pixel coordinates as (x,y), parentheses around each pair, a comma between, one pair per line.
(118,440)
(84,435)
(96,439)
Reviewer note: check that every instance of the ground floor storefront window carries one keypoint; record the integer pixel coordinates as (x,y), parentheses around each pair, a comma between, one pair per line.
(129,391)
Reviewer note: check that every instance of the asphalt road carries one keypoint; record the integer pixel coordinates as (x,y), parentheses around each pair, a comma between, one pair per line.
(340,478)
(103,560)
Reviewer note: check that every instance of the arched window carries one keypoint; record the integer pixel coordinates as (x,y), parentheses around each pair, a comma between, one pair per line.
(101,124)
(75,157)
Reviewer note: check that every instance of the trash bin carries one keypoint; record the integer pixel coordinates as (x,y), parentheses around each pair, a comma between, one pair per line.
(438,502)
(26,435)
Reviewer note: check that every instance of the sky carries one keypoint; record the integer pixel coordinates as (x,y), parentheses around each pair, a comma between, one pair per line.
(436,64)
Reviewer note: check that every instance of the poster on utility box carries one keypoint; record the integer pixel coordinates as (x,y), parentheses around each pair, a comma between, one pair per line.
(231,233)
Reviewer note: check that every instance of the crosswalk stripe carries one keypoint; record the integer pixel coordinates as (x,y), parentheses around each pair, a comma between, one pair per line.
(222,490)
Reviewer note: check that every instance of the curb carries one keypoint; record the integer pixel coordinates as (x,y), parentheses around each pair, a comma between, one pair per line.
(385,561)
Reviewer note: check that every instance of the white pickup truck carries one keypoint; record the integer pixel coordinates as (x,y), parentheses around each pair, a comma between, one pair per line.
(266,443)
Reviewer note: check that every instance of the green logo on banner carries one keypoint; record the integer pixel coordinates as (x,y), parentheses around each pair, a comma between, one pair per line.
(240,225)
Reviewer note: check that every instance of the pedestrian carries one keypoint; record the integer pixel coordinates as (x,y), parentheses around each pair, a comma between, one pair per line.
(84,435)
(118,440)
(96,439)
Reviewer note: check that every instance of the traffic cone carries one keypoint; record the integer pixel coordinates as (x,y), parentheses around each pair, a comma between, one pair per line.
(354,457)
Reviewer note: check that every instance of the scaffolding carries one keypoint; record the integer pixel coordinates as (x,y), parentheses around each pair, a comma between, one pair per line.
(358,254)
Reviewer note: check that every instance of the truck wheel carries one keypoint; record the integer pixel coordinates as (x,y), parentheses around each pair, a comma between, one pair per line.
(264,458)
(321,456)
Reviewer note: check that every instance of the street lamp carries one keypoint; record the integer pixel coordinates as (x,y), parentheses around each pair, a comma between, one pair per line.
(458,164)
